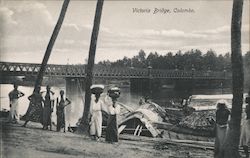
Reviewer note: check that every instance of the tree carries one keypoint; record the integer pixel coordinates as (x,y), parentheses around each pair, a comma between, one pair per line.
(84,125)
(141,55)
(53,38)
(179,60)
(140,60)
(152,57)
(231,147)
(210,59)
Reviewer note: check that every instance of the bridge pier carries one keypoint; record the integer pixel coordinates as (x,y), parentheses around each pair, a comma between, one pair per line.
(75,90)
(139,86)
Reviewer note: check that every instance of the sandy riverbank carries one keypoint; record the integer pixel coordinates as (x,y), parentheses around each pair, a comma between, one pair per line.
(30,142)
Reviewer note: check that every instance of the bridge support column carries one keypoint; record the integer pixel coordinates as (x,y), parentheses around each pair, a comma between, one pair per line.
(75,93)
(139,86)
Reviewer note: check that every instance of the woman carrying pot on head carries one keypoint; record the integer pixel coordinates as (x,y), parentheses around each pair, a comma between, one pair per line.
(114,110)
(96,107)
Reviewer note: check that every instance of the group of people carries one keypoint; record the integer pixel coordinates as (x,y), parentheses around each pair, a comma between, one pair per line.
(40,108)
(108,105)
(42,104)
(222,118)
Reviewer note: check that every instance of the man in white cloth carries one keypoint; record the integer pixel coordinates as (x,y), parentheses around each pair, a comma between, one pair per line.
(245,129)
(14,95)
(96,107)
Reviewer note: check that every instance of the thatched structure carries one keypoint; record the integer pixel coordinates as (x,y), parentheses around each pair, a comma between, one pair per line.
(199,120)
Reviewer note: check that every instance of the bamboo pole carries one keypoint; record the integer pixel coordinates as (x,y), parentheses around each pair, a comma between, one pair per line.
(55,33)
(84,125)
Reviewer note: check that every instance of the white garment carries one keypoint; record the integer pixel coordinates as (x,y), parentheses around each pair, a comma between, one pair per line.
(96,117)
(113,111)
(14,112)
(106,103)
(245,133)
(109,105)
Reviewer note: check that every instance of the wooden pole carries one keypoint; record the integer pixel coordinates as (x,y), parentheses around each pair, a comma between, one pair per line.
(232,140)
(55,33)
(91,60)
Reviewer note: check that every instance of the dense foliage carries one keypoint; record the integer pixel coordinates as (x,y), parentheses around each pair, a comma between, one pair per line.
(179,60)
(183,61)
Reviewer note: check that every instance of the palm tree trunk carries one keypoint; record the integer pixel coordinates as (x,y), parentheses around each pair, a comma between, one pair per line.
(55,33)
(84,125)
(231,148)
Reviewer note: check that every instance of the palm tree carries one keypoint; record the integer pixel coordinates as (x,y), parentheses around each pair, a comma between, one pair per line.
(55,33)
(231,147)
(84,125)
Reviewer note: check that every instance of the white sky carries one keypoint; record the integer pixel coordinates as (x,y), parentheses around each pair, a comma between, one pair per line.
(26,27)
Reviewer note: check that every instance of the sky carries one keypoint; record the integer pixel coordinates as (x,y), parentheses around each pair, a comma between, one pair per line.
(27,25)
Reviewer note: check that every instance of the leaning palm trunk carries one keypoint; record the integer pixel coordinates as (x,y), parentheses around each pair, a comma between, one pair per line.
(231,146)
(53,38)
(84,125)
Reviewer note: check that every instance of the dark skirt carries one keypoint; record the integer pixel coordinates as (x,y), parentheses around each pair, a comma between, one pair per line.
(34,113)
(112,129)
(221,133)
(47,116)
(60,120)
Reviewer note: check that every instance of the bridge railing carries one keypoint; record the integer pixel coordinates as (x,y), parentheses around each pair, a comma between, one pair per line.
(8,68)
(190,74)
(119,72)
(170,74)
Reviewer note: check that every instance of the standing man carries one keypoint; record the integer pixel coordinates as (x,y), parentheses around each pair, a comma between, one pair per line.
(48,98)
(222,117)
(14,95)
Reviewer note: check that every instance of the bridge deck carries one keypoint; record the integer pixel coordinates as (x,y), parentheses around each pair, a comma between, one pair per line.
(24,69)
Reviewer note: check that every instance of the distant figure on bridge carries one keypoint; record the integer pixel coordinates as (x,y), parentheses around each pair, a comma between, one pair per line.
(96,107)
(112,134)
(222,117)
(48,107)
(60,106)
(245,129)
(14,95)
(35,110)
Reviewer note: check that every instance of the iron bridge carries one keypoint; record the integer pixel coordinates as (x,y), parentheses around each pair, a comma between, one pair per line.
(29,69)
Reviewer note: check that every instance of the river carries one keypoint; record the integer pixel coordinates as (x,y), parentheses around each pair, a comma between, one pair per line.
(75,110)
